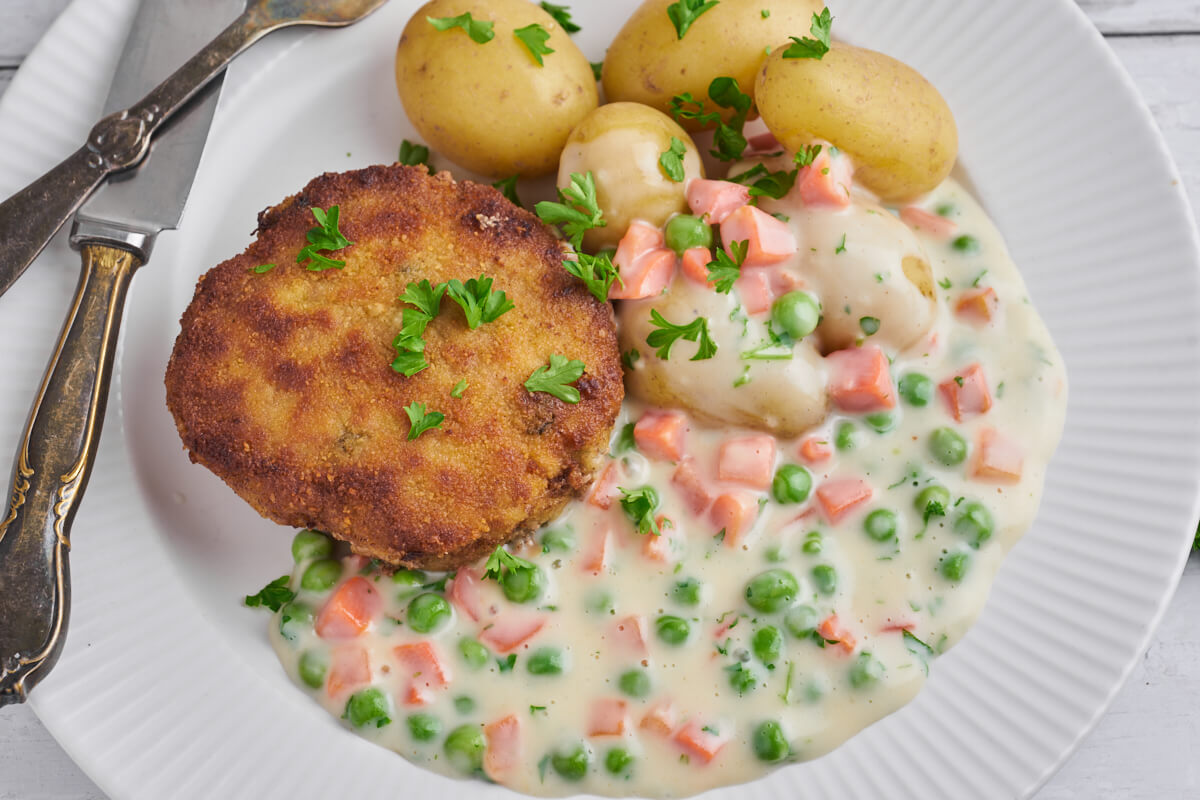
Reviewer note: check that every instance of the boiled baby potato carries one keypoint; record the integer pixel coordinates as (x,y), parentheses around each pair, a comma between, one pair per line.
(621,144)
(891,120)
(490,107)
(648,62)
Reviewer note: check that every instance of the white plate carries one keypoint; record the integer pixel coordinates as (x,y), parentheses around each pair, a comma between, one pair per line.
(167,687)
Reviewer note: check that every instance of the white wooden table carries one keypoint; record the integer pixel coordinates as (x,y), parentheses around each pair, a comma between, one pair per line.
(1148,744)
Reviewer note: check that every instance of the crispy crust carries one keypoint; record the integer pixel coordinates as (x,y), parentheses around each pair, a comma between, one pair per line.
(281,384)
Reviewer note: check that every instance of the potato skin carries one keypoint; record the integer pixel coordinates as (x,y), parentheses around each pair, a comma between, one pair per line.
(893,122)
(620,144)
(648,63)
(490,107)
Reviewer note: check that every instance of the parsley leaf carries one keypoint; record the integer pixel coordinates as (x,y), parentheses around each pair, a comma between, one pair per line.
(562,15)
(508,188)
(726,93)
(671,160)
(555,378)
(459,388)
(420,421)
(723,271)
(409,362)
(579,210)
(841,248)
(480,31)
(534,37)
(685,12)
(261,268)
(680,111)
(729,141)
(597,273)
(816,47)
(806,155)
(273,595)
(479,303)
(763,183)
(668,333)
(424,296)
(413,154)
(597,68)
(410,347)
(502,561)
(945,283)
(325,236)
(640,505)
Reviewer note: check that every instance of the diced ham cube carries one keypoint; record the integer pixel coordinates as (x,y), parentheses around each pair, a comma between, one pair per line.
(604,490)
(840,496)
(421,662)
(512,630)
(695,264)
(659,435)
(997,458)
(700,741)
(660,719)
(349,670)
(630,634)
(833,631)
(660,548)
(503,747)
(692,486)
(756,290)
(770,240)
(465,592)
(860,380)
(610,717)
(716,200)
(595,554)
(735,512)
(748,460)
(349,610)
(648,276)
(827,181)
(978,305)
(815,449)
(967,393)
(763,142)
(935,225)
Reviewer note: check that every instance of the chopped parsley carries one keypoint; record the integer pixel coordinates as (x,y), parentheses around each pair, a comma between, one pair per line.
(668,333)
(425,296)
(728,139)
(536,709)
(978,278)
(578,211)
(597,272)
(479,302)
(685,12)
(413,155)
(640,506)
(501,561)
(562,15)
(459,388)
(420,420)
(480,31)
(869,325)
(597,68)
(841,248)
(630,357)
(671,160)
(261,268)
(724,270)
(764,183)
(966,244)
(945,283)
(625,440)
(766,12)
(534,37)
(273,595)
(410,347)
(324,236)
(555,379)
(806,155)
(816,47)
(508,188)
(507,663)
(679,109)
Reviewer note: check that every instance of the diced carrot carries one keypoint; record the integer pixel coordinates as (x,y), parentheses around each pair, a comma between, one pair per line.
(465,594)
(349,610)
(503,747)
(735,512)
(659,435)
(763,142)
(815,449)
(716,200)
(861,380)
(833,630)
(771,240)
(421,662)
(660,548)
(630,633)
(691,485)
(840,496)
(967,392)
(827,181)
(749,460)
(755,290)
(610,717)
(935,225)
(595,554)
(978,305)
(660,719)
(511,631)
(417,694)
(649,276)
(350,667)
(700,741)
(997,458)
(604,489)
(695,264)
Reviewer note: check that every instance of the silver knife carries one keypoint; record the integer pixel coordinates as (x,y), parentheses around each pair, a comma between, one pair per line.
(114,232)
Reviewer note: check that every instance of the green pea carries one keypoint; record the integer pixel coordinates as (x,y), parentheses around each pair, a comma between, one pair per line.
(366,707)
(684,232)
(933,500)
(767,644)
(427,611)
(672,630)
(313,666)
(687,592)
(966,244)
(775,554)
(948,447)
(742,679)
(797,314)
(409,578)
(320,576)
(801,621)
(618,760)
(826,578)
(881,524)
(472,652)
(600,602)
(916,389)
(812,543)
(464,748)
(881,422)
(560,539)
(815,690)
(294,618)
(523,585)
(847,436)
(865,671)
(955,566)
(572,764)
(546,661)
(424,727)
(311,544)
(771,591)
(770,744)
(464,704)
(975,522)
(635,683)
(792,484)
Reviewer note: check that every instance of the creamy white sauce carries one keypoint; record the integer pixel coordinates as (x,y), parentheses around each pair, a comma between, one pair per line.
(880,587)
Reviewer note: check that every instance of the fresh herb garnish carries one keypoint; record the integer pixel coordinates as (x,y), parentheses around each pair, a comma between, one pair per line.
(724,270)
(480,31)
(273,595)
(918,648)
(669,333)
(806,155)
(579,210)
(869,325)
(261,268)
(425,296)
(324,236)
(626,441)
(555,378)
(597,272)
(534,37)
(410,347)
(534,709)
(816,47)
(945,283)
(508,188)
(630,357)
(671,160)
(459,388)
(841,248)
(978,278)
(507,663)
(640,506)
(501,561)
(479,302)
(680,110)
(728,139)
(597,69)
(562,15)
(685,12)
(420,420)
(764,183)
(412,154)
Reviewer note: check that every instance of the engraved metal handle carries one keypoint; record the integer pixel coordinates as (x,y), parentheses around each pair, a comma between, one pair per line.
(53,462)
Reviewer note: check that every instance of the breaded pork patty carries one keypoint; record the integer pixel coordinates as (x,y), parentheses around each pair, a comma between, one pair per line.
(281,380)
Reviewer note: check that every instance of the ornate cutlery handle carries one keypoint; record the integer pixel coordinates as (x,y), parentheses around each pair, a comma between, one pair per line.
(53,462)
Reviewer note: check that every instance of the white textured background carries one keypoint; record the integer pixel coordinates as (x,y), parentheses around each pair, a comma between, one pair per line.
(1148,745)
